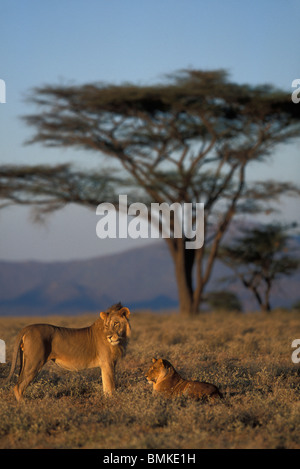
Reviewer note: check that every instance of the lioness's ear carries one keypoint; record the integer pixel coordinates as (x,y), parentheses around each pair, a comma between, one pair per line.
(125,312)
(154,360)
(103,315)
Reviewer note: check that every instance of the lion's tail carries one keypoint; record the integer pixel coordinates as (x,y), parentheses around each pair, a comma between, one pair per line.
(15,356)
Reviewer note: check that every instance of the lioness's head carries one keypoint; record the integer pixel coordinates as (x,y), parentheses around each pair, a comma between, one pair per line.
(158,370)
(115,324)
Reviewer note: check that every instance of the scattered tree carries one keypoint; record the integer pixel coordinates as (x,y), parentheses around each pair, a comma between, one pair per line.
(259,257)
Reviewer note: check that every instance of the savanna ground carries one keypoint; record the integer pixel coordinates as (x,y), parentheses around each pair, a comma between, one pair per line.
(247,356)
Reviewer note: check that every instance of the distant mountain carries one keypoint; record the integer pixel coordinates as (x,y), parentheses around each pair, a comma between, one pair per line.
(141,278)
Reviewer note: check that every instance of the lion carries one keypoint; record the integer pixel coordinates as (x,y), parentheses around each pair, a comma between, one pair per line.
(99,345)
(167,381)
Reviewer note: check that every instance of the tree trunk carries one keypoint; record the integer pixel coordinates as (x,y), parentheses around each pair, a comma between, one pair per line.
(263,304)
(266,306)
(184,262)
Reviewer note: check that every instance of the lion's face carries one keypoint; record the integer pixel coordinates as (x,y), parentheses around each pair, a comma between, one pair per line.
(116,325)
(158,370)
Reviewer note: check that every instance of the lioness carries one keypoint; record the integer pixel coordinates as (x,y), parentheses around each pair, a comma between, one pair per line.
(167,381)
(100,344)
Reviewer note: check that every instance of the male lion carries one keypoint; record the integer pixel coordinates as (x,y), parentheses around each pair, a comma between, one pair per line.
(167,381)
(100,344)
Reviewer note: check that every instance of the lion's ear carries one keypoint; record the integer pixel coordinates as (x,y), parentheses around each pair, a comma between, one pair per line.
(103,315)
(154,360)
(125,312)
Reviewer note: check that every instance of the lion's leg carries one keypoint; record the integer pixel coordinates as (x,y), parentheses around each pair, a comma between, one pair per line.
(108,379)
(28,371)
(22,384)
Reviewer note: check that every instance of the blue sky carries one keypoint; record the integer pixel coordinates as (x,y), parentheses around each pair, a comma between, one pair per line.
(76,41)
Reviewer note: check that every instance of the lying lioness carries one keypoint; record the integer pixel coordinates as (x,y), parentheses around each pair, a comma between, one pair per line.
(167,381)
(100,344)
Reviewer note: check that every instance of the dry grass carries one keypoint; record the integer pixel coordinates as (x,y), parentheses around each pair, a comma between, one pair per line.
(247,356)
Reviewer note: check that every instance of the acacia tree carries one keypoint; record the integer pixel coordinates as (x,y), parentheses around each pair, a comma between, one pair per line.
(259,257)
(189,139)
